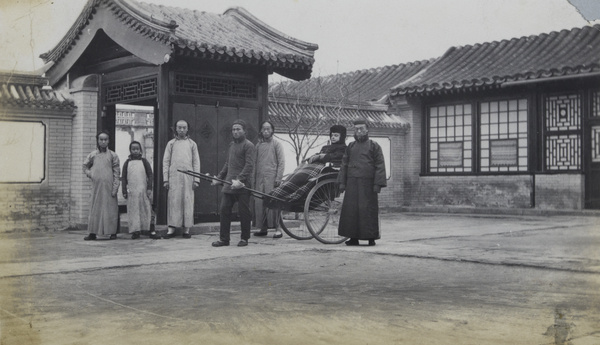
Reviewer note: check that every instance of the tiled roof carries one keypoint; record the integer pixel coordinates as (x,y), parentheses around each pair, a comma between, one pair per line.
(25,91)
(289,114)
(358,86)
(573,52)
(234,36)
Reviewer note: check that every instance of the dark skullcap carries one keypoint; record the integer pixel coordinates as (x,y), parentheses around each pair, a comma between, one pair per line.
(239,122)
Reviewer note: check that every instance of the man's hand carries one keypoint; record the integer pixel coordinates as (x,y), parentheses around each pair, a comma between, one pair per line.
(166,185)
(236,184)
(148,193)
(315,158)
(125,195)
(342,187)
(113,194)
(376,188)
(195,185)
(277,184)
(214,182)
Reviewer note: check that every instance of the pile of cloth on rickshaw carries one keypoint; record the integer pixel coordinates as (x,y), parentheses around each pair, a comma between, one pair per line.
(293,190)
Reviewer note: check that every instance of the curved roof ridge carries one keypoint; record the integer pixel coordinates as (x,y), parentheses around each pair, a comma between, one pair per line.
(247,18)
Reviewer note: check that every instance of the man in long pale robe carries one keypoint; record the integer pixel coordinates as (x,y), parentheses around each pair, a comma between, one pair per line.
(180,153)
(362,175)
(268,172)
(103,168)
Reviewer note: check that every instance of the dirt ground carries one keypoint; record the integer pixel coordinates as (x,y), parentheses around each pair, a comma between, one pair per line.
(308,297)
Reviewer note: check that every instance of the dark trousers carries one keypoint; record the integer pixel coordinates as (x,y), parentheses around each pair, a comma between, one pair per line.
(227,202)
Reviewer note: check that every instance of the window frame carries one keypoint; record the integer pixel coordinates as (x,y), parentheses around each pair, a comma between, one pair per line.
(475,104)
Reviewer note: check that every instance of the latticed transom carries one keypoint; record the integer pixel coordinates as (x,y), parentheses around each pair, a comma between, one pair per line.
(211,86)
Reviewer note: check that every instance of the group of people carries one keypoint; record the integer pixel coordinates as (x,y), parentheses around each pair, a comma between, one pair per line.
(248,167)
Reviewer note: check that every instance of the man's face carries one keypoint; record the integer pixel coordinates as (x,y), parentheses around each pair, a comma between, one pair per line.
(266,130)
(181,128)
(103,140)
(237,131)
(361,130)
(335,137)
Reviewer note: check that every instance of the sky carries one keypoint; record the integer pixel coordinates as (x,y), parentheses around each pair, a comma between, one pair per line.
(351,34)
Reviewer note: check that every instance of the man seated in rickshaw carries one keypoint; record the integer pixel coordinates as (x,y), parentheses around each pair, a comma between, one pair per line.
(297,185)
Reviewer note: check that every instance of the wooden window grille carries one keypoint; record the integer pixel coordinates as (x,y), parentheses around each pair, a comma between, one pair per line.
(211,86)
(503,135)
(130,91)
(450,138)
(562,135)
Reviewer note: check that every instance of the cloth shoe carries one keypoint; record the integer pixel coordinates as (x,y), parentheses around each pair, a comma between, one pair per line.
(167,236)
(371,242)
(155,236)
(90,237)
(242,243)
(186,235)
(220,244)
(352,242)
(278,234)
(135,235)
(261,233)
(113,237)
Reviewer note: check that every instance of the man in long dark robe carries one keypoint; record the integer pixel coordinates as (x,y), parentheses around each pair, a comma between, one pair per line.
(362,175)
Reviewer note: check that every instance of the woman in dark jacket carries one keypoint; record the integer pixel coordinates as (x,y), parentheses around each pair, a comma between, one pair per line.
(297,185)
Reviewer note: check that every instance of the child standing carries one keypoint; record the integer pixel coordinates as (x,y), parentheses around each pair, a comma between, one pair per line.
(137,189)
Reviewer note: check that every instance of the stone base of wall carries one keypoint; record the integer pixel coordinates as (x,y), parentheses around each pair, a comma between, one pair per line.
(544,192)
(560,191)
(498,191)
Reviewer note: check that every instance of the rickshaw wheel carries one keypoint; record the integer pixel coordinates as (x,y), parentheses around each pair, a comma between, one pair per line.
(293,224)
(322,212)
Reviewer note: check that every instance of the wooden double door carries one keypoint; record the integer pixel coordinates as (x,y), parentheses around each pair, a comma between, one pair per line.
(210,128)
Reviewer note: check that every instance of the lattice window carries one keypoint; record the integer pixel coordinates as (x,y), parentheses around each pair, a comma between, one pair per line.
(200,85)
(450,138)
(596,104)
(131,91)
(563,152)
(563,132)
(563,112)
(596,144)
(503,135)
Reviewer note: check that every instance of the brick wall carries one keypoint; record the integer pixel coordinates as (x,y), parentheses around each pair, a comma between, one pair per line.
(561,191)
(84,92)
(45,205)
(495,191)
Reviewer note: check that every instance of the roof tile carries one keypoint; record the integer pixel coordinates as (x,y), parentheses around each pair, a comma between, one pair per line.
(568,52)
(25,91)
(236,34)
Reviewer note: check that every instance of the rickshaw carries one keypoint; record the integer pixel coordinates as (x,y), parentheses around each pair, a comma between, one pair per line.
(316,215)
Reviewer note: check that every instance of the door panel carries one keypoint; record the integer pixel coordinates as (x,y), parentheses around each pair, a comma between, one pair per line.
(205,135)
(592,195)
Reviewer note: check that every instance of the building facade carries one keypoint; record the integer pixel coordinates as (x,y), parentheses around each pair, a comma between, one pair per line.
(509,124)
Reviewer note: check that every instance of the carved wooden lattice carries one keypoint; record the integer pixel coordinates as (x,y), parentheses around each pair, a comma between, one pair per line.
(201,85)
(130,91)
